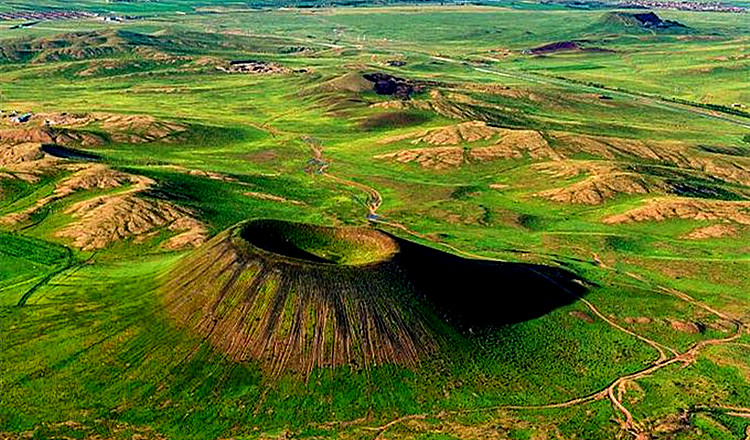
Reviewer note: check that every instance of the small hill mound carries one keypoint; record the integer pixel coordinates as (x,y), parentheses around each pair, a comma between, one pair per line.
(559,46)
(298,297)
(349,82)
(378,82)
(643,20)
(564,46)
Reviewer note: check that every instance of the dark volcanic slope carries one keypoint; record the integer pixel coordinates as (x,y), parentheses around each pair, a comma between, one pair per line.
(298,297)
(645,20)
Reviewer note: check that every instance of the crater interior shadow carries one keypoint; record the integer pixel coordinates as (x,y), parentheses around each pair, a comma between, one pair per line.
(270,237)
(69,153)
(474,293)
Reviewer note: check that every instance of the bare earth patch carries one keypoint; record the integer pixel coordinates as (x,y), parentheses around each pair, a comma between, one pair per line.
(437,158)
(582,316)
(138,128)
(119,127)
(686,209)
(449,152)
(107,219)
(21,154)
(713,231)
(596,190)
(514,144)
(456,134)
(638,320)
(685,327)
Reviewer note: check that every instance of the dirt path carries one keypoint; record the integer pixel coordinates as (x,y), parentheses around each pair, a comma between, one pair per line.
(320,166)
(374,198)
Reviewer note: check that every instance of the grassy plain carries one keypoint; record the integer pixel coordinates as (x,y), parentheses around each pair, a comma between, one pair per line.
(88,348)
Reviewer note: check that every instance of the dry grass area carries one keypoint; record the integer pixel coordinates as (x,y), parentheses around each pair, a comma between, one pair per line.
(449,145)
(667,208)
(119,128)
(107,219)
(674,154)
(436,158)
(137,128)
(604,183)
(451,105)
(615,148)
(714,231)
(21,154)
(515,144)
(456,134)
(104,219)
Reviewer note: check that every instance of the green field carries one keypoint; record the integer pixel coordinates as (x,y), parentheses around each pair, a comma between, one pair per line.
(620,159)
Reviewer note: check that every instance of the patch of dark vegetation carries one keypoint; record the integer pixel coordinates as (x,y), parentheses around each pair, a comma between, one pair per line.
(385,84)
(396,119)
(664,172)
(725,149)
(24,25)
(488,216)
(702,190)
(532,222)
(464,192)
(623,244)
(688,183)
(70,153)
(32,249)
(559,46)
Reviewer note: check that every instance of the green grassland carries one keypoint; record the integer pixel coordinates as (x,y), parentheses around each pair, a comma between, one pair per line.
(87,347)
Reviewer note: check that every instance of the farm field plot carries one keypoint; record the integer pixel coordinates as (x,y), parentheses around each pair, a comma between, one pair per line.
(277,220)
